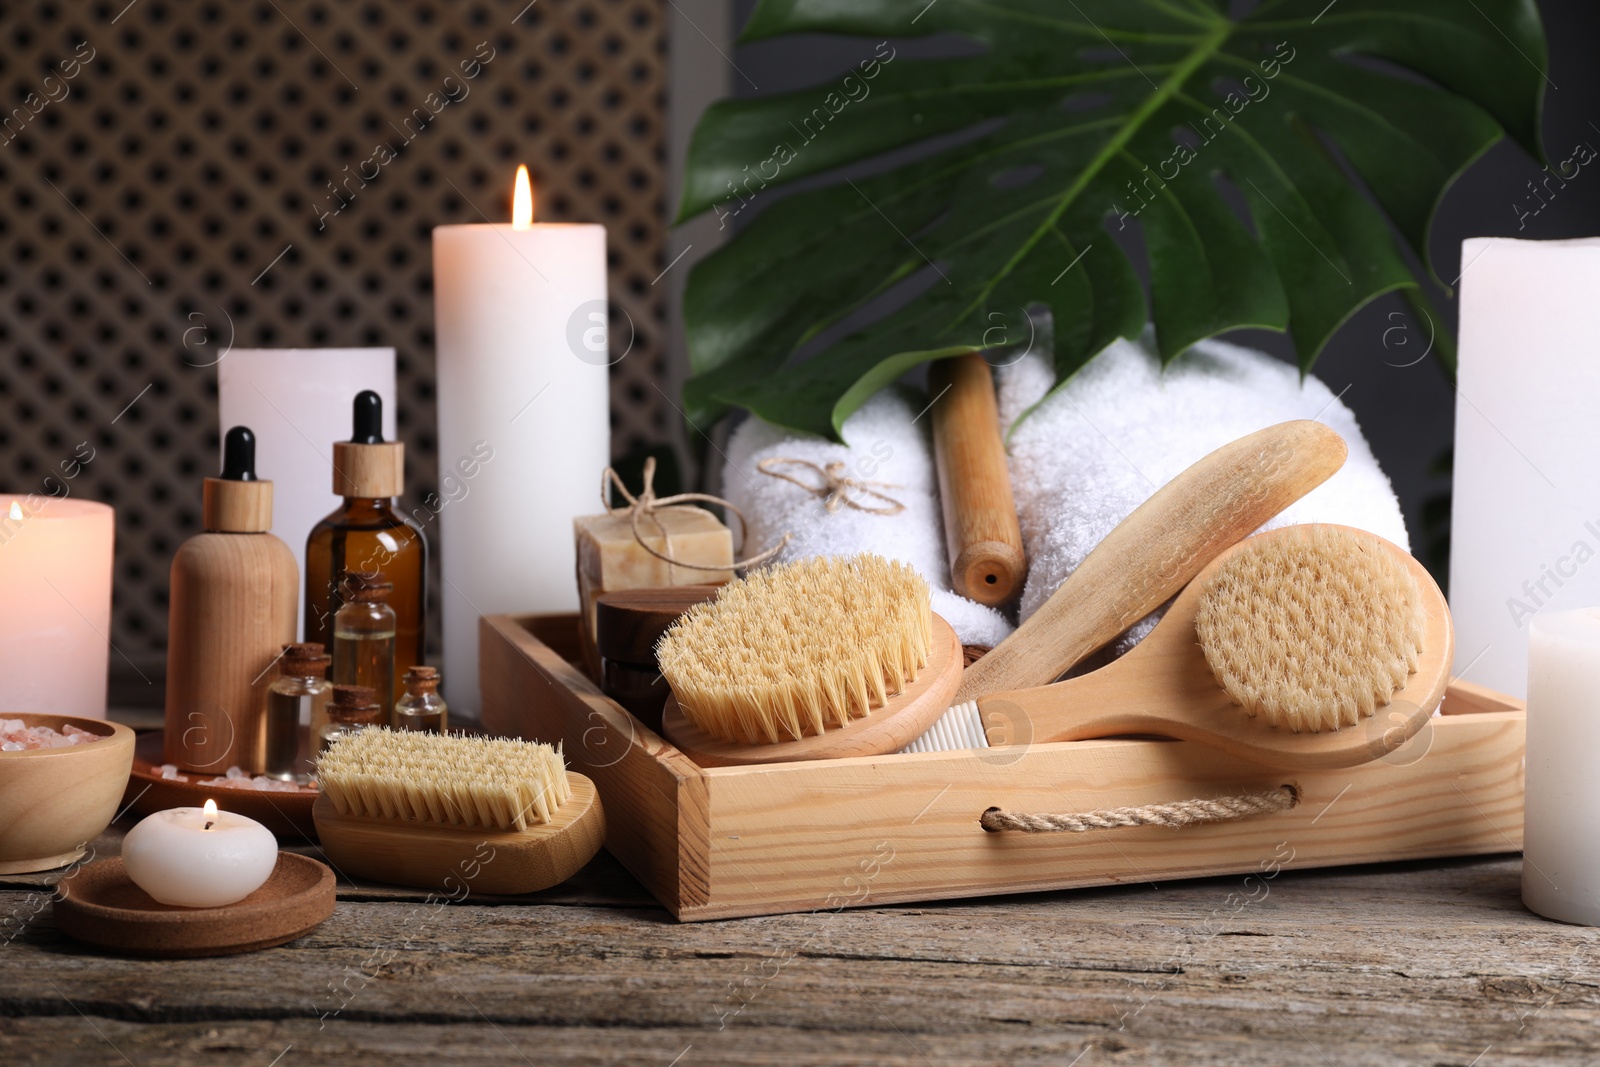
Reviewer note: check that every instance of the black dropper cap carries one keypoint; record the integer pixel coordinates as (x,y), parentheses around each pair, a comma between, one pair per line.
(239,455)
(366,419)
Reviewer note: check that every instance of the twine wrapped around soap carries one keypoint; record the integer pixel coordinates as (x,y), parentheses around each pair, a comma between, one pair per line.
(837,488)
(647,503)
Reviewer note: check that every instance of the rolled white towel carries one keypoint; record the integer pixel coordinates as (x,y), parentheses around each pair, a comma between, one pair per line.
(1123,427)
(886,441)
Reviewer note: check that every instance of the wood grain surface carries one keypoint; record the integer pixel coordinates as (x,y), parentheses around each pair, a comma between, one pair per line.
(1417,963)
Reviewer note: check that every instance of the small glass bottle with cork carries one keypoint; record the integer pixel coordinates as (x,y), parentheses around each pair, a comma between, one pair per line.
(421,708)
(363,638)
(297,702)
(354,708)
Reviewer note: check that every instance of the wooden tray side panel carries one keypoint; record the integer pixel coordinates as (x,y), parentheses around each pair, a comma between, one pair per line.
(871,831)
(761,840)
(655,799)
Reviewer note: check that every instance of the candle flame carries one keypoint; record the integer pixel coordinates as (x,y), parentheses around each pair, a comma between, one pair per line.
(522,200)
(211,813)
(16,511)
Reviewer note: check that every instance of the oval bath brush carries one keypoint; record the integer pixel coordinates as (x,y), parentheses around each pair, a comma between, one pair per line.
(1276,652)
(816,659)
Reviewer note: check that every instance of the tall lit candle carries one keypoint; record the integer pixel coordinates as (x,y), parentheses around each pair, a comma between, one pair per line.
(524,431)
(55,585)
(1560,848)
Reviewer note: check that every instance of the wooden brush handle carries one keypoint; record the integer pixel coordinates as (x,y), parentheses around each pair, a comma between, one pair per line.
(1155,551)
(1165,686)
(980,516)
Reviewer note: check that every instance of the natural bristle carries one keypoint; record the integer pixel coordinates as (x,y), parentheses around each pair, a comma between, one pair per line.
(1313,629)
(448,780)
(794,650)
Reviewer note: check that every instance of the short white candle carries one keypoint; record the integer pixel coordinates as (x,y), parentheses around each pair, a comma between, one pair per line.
(1560,847)
(199,857)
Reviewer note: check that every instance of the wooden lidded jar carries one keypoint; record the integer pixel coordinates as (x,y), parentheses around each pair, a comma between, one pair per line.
(234,603)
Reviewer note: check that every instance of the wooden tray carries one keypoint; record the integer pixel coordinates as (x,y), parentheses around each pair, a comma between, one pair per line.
(736,841)
(287,815)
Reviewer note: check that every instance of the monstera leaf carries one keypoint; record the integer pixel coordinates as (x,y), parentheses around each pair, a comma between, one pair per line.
(1073,120)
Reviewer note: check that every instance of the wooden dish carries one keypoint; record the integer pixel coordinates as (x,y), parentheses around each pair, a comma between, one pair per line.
(101,906)
(285,814)
(54,801)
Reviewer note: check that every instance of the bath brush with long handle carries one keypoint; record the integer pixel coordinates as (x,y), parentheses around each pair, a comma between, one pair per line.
(1302,648)
(1155,551)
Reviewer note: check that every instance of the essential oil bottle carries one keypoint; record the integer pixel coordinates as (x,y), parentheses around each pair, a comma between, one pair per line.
(364,638)
(368,534)
(297,703)
(234,600)
(421,708)
(354,708)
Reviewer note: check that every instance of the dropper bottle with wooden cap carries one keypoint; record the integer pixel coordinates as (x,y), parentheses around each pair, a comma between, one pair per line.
(366,534)
(235,594)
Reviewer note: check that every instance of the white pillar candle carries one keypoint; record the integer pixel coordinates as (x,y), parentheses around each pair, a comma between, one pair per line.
(55,585)
(199,857)
(1560,847)
(297,400)
(524,431)
(1525,534)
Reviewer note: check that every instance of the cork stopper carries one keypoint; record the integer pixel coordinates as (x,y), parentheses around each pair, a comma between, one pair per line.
(422,681)
(355,704)
(307,660)
(237,501)
(366,587)
(367,466)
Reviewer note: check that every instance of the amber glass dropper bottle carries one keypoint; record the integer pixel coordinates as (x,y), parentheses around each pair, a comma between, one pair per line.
(367,534)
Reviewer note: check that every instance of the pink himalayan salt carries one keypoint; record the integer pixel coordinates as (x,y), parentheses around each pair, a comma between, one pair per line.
(238,778)
(16,736)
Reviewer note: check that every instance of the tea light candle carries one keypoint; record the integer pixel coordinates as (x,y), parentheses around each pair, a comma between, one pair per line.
(199,857)
(55,583)
(1560,848)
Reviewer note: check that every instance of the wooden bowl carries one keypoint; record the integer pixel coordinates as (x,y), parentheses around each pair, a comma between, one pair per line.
(54,801)
(285,814)
(100,905)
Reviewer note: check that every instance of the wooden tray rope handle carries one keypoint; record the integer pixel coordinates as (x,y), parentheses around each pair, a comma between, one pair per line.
(1178,813)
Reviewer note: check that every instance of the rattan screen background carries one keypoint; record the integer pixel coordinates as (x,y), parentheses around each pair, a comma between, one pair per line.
(164,200)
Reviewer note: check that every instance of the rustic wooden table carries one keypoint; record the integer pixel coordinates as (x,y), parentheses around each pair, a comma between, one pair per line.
(1418,963)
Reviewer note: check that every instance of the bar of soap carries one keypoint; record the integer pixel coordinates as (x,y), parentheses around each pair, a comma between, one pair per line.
(610,557)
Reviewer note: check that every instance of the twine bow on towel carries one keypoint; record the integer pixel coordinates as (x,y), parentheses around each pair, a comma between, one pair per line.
(836,488)
(646,504)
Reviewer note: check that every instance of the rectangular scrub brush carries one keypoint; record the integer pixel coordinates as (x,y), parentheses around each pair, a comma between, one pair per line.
(412,808)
